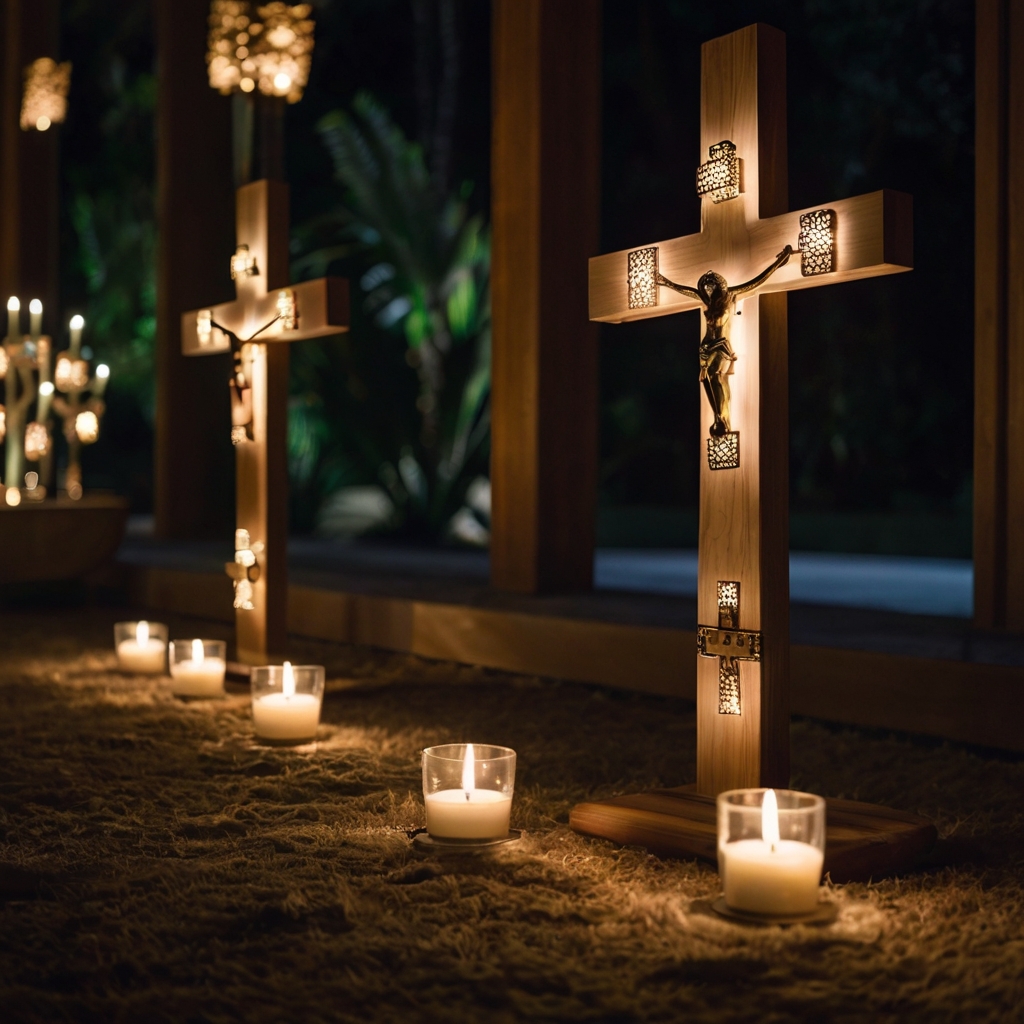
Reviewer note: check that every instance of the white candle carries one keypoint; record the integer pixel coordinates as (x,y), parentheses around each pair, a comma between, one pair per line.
(468,813)
(286,715)
(35,308)
(771,875)
(145,655)
(479,814)
(75,325)
(198,676)
(13,318)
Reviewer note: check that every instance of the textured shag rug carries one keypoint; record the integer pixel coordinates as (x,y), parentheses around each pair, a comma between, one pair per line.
(156,864)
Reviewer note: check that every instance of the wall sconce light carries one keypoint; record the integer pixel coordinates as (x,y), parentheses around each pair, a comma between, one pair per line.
(719,178)
(204,326)
(243,263)
(286,309)
(45,99)
(816,242)
(642,275)
(244,570)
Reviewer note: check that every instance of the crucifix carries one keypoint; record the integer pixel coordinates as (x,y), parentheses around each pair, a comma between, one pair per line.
(267,313)
(749,252)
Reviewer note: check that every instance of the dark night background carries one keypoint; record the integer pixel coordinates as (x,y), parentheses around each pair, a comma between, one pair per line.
(880,95)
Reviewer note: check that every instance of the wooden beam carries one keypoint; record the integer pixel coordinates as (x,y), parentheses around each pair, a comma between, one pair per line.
(876,238)
(967,702)
(28,166)
(545,213)
(194,474)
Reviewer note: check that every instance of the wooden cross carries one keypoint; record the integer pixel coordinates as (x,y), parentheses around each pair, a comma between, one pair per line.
(756,251)
(267,310)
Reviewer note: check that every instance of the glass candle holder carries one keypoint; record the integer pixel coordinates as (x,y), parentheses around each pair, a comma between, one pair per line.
(467,790)
(771,848)
(141,647)
(197,667)
(286,702)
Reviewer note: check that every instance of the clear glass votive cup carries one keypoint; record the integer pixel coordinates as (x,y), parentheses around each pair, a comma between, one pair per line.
(197,667)
(141,647)
(771,848)
(286,702)
(467,790)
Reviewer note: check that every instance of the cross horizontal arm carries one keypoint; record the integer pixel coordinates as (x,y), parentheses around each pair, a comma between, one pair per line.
(321,310)
(874,236)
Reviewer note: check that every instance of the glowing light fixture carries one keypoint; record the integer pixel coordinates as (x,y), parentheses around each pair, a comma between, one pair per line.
(269,49)
(817,242)
(243,264)
(642,271)
(45,99)
(70,374)
(719,178)
(37,441)
(87,426)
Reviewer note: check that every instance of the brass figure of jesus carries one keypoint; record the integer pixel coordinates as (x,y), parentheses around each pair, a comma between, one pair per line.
(716,354)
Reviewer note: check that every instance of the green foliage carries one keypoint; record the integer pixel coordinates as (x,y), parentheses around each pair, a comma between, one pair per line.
(420,343)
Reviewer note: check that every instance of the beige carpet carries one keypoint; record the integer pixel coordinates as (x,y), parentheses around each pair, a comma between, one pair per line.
(157,865)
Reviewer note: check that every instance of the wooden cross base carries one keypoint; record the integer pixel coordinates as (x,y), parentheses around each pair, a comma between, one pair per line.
(862,841)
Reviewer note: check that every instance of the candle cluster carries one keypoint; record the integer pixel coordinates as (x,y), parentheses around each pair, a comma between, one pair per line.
(63,389)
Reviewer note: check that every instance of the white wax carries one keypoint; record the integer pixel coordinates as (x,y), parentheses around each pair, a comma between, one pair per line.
(762,880)
(144,659)
(198,678)
(484,815)
(277,717)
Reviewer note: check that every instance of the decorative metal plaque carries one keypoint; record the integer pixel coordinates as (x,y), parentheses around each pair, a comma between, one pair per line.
(817,242)
(724,451)
(730,645)
(719,178)
(728,687)
(642,275)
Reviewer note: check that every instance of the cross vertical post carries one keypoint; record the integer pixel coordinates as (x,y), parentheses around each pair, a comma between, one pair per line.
(267,312)
(747,236)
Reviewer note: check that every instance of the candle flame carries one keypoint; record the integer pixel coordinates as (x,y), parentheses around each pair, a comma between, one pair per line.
(198,654)
(13,304)
(35,306)
(469,770)
(142,633)
(770,818)
(288,680)
(77,322)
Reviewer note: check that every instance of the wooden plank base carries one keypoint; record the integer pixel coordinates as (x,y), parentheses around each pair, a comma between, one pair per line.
(862,840)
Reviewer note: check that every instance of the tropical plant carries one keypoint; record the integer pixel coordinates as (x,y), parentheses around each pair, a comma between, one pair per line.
(423,263)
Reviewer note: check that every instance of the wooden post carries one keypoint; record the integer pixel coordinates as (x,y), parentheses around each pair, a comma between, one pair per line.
(196,216)
(266,313)
(545,211)
(28,165)
(748,240)
(999,318)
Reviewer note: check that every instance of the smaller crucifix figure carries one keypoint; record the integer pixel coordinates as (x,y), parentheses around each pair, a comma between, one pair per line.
(267,313)
(716,354)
